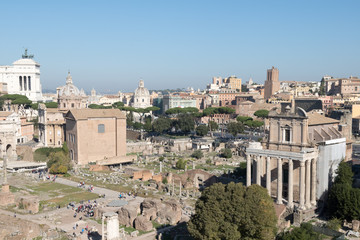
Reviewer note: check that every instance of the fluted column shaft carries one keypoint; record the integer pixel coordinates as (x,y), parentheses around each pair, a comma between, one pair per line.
(248,170)
(268,175)
(313,182)
(258,170)
(279,182)
(302,185)
(290,185)
(308,184)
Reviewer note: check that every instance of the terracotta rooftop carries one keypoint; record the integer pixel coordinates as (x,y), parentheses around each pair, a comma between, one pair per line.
(318,119)
(95,113)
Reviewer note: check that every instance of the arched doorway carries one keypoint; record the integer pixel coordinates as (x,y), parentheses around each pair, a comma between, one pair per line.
(9,150)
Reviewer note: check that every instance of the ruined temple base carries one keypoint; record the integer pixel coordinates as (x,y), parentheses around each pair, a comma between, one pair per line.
(303,215)
(6,197)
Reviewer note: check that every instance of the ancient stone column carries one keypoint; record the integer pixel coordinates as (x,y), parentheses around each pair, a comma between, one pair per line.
(302,185)
(268,175)
(308,184)
(290,185)
(313,182)
(279,182)
(258,170)
(248,170)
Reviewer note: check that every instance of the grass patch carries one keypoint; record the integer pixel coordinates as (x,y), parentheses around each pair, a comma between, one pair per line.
(129,230)
(74,197)
(14,189)
(53,189)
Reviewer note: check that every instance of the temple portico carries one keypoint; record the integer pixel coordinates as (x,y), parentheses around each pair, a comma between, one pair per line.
(281,170)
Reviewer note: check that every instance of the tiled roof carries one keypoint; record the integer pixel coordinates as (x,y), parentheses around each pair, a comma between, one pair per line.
(318,119)
(95,113)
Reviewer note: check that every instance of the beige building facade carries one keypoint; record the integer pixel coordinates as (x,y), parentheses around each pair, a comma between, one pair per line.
(95,135)
(51,126)
(298,160)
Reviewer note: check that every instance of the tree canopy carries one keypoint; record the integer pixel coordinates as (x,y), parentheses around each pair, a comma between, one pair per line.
(161,125)
(243,119)
(179,110)
(216,110)
(235,128)
(233,211)
(185,123)
(16,99)
(305,231)
(97,106)
(261,113)
(344,200)
(202,130)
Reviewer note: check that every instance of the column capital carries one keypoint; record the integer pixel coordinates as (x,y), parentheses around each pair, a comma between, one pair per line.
(302,163)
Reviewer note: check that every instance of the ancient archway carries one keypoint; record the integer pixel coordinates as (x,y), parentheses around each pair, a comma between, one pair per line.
(9,150)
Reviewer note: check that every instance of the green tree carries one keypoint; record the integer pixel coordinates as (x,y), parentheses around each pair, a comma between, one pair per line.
(202,130)
(226,153)
(243,119)
(117,105)
(161,125)
(97,106)
(180,164)
(213,126)
(185,123)
(233,211)
(344,200)
(261,113)
(305,231)
(197,154)
(344,174)
(235,128)
(51,105)
(58,162)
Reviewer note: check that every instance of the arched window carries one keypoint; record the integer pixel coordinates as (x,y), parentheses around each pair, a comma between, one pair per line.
(72,105)
(20,83)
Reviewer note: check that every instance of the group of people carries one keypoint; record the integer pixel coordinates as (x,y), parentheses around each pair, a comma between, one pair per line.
(88,210)
(123,195)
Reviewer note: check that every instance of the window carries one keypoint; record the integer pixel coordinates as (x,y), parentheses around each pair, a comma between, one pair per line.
(72,105)
(287,135)
(58,132)
(101,128)
(64,105)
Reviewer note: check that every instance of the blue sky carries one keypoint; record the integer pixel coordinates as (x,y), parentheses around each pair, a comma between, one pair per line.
(110,45)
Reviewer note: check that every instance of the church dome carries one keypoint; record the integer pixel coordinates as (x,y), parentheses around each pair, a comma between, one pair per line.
(70,89)
(141,91)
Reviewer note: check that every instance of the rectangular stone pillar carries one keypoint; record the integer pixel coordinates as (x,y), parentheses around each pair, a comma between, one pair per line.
(248,170)
(313,182)
(290,185)
(302,185)
(308,184)
(258,170)
(268,175)
(279,182)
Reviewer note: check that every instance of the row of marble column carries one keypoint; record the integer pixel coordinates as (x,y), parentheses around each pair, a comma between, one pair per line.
(25,85)
(307,179)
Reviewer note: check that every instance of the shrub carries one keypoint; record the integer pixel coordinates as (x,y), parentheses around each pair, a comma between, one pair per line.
(197,154)
(226,153)
(334,224)
(180,164)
